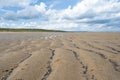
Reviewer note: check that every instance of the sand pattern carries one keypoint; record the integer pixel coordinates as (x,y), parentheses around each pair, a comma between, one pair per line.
(59,56)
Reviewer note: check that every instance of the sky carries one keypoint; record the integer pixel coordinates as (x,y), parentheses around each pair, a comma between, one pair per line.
(69,15)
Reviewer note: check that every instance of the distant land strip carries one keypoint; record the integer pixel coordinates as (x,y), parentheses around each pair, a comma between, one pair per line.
(27,30)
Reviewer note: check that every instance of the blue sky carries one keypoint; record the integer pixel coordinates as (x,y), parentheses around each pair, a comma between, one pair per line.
(77,15)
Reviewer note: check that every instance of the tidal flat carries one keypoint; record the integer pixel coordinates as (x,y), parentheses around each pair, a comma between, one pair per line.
(59,56)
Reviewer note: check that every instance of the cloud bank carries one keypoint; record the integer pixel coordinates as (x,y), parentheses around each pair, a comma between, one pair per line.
(86,15)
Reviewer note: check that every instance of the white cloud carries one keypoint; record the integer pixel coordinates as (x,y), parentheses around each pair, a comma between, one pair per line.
(85,15)
(89,8)
(82,10)
(59,26)
(29,12)
(21,3)
(41,8)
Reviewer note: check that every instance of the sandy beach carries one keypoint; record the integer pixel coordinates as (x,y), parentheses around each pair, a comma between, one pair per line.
(60,56)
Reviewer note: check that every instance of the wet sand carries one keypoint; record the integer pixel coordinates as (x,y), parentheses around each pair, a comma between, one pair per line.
(60,56)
